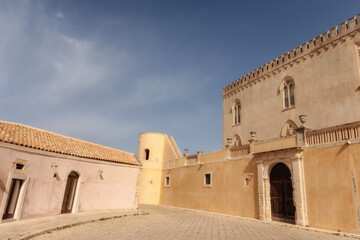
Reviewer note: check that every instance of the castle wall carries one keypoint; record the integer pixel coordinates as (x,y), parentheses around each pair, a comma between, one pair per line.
(229,193)
(326,90)
(324,162)
(332,176)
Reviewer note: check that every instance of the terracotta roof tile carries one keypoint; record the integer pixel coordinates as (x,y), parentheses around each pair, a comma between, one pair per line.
(31,137)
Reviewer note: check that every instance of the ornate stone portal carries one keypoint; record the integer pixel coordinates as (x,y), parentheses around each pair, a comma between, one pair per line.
(293,159)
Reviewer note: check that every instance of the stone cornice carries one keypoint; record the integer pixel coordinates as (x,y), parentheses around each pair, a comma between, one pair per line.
(320,44)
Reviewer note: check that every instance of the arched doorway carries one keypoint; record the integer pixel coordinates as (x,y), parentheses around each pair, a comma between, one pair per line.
(281,193)
(70,191)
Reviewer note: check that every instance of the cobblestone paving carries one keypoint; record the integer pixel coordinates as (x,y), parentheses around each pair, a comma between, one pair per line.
(169,223)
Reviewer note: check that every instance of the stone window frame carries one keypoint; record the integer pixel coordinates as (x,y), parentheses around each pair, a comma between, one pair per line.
(236,112)
(205,184)
(167,181)
(287,89)
(21,197)
(294,160)
(19,165)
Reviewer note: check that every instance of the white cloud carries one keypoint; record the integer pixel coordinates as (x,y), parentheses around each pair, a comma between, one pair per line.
(43,65)
(59,15)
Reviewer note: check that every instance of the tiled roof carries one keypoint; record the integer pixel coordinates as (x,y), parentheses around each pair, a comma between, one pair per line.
(31,137)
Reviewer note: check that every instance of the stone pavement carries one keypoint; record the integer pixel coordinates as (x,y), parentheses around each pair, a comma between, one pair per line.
(27,228)
(172,223)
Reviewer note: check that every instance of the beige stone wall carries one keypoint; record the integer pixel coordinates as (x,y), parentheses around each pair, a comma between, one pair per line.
(330,174)
(116,189)
(228,194)
(323,175)
(326,82)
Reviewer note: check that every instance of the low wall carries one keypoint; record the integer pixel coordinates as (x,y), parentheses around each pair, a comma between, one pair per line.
(231,191)
(114,188)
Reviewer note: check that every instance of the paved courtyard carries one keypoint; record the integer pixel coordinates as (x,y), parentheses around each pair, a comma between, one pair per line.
(170,223)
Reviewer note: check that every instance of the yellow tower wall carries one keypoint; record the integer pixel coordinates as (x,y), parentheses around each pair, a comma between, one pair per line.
(161,148)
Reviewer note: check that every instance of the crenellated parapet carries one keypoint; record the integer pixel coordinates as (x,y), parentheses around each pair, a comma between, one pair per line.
(314,47)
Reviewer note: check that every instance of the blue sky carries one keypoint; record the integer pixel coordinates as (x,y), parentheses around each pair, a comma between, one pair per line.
(105,71)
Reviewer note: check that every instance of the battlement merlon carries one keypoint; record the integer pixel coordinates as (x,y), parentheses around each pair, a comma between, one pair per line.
(290,58)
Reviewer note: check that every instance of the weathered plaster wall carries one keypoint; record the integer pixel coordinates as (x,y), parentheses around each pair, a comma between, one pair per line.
(326,86)
(228,194)
(116,189)
(330,189)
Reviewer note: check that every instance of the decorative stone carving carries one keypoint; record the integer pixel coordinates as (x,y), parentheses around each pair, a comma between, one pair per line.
(289,129)
(236,141)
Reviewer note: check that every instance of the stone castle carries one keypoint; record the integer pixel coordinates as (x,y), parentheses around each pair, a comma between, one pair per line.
(290,151)
(290,145)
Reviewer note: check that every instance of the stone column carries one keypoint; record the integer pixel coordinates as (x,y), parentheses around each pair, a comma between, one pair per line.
(261,193)
(267,198)
(299,197)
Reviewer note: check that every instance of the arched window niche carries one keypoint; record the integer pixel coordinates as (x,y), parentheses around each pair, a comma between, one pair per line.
(289,129)
(287,88)
(236,111)
(147,154)
(236,141)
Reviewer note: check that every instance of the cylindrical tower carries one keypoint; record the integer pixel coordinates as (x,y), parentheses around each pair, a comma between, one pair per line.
(151,149)
(151,155)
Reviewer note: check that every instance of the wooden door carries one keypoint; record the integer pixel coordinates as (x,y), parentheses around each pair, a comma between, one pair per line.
(281,193)
(13,197)
(69,194)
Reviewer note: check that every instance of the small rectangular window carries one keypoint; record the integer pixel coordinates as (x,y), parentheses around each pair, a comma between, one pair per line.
(19,166)
(207,180)
(167,181)
(147,154)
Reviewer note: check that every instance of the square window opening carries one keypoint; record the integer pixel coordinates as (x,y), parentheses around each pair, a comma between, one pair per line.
(207,180)
(167,181)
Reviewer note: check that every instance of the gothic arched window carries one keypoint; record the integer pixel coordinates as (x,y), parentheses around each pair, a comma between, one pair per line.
(236,110)
(288,89)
